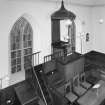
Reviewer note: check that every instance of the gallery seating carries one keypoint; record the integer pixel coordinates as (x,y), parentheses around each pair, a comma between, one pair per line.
(77,88)
(69,92)
(83,81)
(92,80)
(95,95)
(58,98)
(103,102)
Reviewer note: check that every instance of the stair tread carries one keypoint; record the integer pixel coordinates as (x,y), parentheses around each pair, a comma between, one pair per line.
(44,86)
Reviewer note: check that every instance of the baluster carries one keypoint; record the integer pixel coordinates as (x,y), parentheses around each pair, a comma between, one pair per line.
(0,83)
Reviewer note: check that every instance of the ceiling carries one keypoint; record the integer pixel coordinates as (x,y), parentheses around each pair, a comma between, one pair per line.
(89,2)
(84,2)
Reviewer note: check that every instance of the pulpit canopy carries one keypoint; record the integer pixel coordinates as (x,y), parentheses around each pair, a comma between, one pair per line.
(63,13)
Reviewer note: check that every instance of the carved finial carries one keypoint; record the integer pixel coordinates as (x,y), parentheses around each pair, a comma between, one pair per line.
(62,4)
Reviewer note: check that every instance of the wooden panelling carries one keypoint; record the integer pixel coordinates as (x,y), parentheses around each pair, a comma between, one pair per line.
(55,31)
(49,66)
(71,69)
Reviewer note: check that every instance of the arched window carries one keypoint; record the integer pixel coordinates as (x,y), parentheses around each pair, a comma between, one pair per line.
(21,45)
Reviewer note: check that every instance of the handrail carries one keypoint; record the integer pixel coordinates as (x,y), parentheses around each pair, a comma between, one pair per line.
(39,86)
(36,55)
(34,61)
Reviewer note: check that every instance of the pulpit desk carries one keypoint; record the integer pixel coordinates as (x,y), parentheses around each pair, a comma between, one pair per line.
(71,65)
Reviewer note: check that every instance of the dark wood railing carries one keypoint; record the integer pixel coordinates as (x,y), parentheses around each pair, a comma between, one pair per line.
(0,83)
(53,56)
(35,78)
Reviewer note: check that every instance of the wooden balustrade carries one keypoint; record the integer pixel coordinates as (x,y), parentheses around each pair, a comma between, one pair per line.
(35,58)
(53,56)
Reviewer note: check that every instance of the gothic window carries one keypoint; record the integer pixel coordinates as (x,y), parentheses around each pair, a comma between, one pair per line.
(21,45)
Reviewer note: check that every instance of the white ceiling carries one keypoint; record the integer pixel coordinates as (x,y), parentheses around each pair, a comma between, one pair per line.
(83,2)
(89,2)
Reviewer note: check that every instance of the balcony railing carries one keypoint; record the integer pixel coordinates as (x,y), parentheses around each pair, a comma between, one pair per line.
(4,81)
(53,56)
(35,58)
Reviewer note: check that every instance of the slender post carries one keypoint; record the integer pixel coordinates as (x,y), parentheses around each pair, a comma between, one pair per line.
(81,43)
(0,83)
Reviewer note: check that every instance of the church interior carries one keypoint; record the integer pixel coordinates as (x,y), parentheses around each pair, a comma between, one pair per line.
(55,56)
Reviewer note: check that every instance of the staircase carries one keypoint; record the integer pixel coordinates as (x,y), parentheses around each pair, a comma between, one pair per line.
(38,77)
(43,85)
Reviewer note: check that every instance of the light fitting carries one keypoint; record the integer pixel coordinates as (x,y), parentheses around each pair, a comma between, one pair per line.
(101,21)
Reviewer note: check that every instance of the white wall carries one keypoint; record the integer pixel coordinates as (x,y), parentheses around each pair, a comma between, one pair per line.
(98,28)
(39,14)
(83,26)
